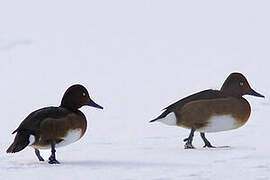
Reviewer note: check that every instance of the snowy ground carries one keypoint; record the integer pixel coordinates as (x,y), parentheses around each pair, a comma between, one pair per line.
(135,58)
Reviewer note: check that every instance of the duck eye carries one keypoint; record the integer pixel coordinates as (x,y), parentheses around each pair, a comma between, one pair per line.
(241,83)
(83,94)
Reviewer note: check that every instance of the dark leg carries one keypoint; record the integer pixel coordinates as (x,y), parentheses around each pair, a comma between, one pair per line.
(189,140)
(52,157)
(206,142)
(38,155)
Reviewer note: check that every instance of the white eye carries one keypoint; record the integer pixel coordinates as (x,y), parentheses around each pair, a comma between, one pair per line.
(83,94)
(241,83)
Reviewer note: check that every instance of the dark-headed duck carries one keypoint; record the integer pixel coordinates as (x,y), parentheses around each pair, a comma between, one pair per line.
(53,127)
(211,110)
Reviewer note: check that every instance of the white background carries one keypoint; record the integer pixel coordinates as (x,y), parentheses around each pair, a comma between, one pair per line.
(135,58)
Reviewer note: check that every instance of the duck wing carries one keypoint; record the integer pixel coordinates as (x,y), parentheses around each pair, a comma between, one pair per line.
(203,95)
(32,122)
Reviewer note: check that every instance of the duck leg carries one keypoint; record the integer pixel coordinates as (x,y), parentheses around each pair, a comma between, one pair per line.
(206,142)
(189,140)
(40,158)
(52,159)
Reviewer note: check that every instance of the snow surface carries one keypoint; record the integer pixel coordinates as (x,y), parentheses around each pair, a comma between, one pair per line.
(135,58)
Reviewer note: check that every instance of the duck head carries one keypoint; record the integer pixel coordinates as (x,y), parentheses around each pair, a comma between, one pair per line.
(77,96)
(236,85)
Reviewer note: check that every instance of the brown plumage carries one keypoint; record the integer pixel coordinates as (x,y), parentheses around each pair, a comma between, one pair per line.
(212,110)
(53,127)
(58,129)
(194,114)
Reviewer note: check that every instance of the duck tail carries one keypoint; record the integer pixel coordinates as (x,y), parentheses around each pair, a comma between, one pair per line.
(153,120)
(20,142)
(163,115)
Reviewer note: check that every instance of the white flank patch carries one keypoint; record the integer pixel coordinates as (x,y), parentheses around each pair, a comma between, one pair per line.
(220,123)
(170,119)
(31,140)
(71,137)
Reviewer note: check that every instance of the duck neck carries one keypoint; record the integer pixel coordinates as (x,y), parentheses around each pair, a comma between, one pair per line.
(65,103)
(230,92)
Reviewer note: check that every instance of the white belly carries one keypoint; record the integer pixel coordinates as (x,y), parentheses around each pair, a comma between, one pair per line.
(220,123)
(71,137)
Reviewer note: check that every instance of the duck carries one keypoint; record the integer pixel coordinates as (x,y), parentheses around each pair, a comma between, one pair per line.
(211,111)
(54,127)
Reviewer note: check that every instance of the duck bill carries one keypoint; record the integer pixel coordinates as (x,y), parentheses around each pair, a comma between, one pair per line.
(95,105)
(254,93)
